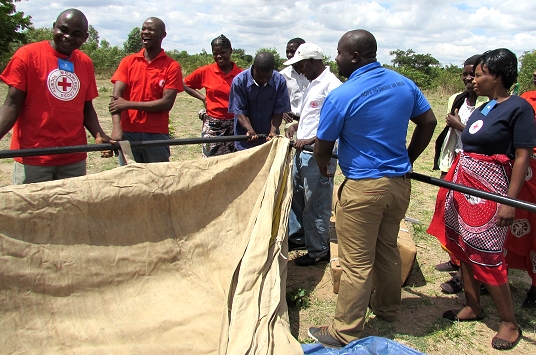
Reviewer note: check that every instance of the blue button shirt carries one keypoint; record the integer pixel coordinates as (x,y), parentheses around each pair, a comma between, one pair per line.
(369,114)
(258,103)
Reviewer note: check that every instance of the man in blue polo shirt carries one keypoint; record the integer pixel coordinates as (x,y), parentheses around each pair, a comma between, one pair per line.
(369,114)
(258,98)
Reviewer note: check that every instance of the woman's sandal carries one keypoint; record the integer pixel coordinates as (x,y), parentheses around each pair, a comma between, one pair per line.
(501,344)
(452,315)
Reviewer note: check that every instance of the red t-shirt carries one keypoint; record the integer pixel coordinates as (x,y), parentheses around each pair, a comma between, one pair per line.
(53,112)
(530,96)
(217,85)
(146,82)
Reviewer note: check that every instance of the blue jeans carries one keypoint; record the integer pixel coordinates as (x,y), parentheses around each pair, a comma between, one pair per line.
(311,204)
(147,155)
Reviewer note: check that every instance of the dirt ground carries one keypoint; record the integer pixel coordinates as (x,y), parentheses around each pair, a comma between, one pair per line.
(419,324)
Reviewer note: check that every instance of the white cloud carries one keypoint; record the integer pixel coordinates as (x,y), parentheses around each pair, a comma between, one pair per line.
(449,30)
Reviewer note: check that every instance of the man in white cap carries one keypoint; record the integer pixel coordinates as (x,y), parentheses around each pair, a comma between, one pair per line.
(311,202)
(296,83)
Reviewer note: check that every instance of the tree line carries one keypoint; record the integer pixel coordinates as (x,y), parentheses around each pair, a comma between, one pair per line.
(16,30)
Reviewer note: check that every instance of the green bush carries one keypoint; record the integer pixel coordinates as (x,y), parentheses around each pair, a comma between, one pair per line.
(528,66)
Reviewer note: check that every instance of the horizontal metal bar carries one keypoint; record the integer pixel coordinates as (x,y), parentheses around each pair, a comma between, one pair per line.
(531,207)
(115,146)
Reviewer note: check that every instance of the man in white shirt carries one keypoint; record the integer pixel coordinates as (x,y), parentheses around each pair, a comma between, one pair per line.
(311,201)
(296,82)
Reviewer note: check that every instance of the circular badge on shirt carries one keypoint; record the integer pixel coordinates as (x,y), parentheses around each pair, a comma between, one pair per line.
(314,104)
(63,85)
(162,82)
(475,127)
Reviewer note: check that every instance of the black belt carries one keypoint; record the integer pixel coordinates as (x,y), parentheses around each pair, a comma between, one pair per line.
(406,176)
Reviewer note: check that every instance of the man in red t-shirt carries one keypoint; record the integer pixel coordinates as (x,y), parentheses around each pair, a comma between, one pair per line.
(145,86)
(49,102)
(530,96)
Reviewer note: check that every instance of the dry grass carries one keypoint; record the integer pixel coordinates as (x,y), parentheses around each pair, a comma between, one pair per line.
(420,324)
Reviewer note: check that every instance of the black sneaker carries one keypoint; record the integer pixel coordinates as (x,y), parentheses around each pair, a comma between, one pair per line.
(452,286)
(293,246)
(321,335)
(447,266)
(530,301)
(306,260)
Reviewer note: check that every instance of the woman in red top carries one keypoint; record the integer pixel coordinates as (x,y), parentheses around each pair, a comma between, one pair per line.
(216,79)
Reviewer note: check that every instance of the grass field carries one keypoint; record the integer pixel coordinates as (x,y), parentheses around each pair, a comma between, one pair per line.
(419,324)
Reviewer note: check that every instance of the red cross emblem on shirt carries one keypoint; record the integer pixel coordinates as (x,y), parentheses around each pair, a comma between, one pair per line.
(475,127)
(64,84)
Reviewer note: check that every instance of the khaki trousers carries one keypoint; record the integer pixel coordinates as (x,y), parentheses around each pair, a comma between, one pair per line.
(368,221)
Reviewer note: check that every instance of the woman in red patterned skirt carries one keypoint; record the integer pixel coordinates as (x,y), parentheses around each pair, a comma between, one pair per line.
(497,143)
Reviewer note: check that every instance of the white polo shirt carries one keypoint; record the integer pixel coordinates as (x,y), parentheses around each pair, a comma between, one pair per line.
(296,85)
(313,99)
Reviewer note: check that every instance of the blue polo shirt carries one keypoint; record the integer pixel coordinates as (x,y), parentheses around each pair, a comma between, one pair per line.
(258,103)
(369,114)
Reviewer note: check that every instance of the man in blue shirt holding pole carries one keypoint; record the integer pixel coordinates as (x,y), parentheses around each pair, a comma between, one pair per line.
(258,98)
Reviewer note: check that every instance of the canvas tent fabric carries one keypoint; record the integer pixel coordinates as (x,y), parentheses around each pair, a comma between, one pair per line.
(167,258)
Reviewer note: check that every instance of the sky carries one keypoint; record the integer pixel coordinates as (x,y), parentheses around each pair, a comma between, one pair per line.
(450,31)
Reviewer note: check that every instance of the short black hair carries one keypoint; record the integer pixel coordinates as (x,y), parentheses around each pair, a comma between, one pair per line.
(296,40)
(264,62)
(471,60)
(500,62)
(221,40)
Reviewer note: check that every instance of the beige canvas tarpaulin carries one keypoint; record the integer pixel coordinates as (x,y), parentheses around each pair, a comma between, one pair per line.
(169,258)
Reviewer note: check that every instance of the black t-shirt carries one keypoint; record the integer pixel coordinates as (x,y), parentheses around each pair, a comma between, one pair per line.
(509,125)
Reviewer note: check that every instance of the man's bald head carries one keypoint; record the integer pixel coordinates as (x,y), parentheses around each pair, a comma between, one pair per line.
(70,31)
(153,32)
(355,49)
(363,41)
(160,25)
(73,15)
(263,67)
(264,61)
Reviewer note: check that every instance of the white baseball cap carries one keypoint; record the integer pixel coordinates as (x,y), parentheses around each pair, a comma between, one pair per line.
(306,51)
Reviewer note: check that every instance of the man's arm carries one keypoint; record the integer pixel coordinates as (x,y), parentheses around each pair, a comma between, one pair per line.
(422,134)
(277,118)
(291,130)
(244,121)
(119,104)
(322,152)
(300,143)
(117,130)
(10,110)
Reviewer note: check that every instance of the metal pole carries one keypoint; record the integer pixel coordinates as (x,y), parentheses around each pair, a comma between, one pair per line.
(531,207)
(115,146)
(185,141)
